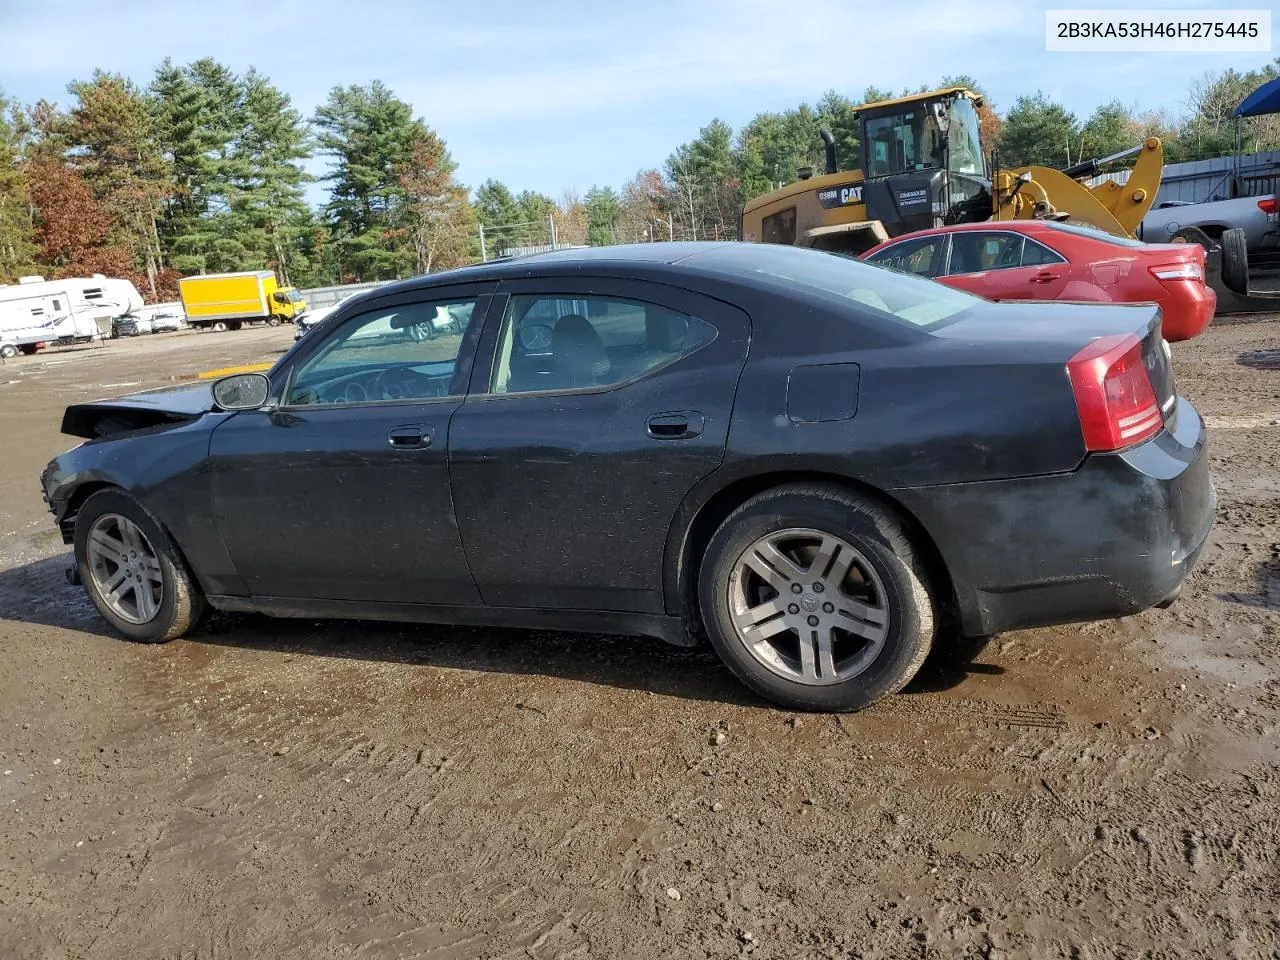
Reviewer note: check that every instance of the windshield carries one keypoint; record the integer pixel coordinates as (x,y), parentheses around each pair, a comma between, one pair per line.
(897,296)
(964,143)
(293,296)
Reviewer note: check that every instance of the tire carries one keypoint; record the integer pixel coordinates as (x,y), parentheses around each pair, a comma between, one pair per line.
(1235,260)
(181,604)
(8,351)
(273,321)
(884,580)
(235,324)
(217,326)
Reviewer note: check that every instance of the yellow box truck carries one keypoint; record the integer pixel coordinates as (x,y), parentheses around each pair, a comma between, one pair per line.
(227,301)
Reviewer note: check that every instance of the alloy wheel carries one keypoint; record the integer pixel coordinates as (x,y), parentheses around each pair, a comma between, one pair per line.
(808,606)
(124,568)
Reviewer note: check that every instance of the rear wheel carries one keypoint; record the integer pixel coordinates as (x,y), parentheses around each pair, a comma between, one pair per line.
(815,599)
(1235,260)
(218,326)
(132,570)
(8,351)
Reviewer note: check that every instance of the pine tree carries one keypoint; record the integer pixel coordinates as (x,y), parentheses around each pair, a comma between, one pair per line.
(369,133)
(196,111)
(266,174)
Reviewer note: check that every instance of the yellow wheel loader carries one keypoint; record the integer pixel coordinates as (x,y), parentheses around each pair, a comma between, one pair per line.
(923,165)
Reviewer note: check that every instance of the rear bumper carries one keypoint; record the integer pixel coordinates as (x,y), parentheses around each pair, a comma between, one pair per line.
(1187,309)
(1115,537)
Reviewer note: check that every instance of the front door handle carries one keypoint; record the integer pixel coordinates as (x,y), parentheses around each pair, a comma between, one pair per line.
(410,436)
(676,425)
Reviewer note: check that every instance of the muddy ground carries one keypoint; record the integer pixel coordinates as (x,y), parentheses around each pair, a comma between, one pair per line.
(301,789)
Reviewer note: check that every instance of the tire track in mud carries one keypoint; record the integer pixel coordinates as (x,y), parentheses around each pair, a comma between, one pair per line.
(303,790)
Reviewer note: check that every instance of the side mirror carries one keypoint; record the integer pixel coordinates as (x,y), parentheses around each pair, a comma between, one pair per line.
(241,391)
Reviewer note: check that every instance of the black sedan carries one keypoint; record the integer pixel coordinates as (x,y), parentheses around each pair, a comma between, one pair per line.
(813,462)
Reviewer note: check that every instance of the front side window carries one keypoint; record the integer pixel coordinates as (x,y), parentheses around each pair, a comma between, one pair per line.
(406,352)
(911,256)
(779,227)
(976,251)
(566,342)
(901,142)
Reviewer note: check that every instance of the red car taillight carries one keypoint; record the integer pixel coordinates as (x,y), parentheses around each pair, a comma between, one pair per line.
(1114,395)
(1178,271)
(1269,205)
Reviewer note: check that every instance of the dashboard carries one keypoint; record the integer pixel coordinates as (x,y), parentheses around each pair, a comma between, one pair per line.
(402,382)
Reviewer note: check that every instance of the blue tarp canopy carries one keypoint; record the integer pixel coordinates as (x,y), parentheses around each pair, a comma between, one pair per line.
(1264,100)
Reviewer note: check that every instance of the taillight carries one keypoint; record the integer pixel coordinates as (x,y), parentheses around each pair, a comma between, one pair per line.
(1114,396)
(1178,271)
(1269,205)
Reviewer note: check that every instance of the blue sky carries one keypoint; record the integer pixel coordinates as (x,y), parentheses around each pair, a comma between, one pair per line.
(564,93)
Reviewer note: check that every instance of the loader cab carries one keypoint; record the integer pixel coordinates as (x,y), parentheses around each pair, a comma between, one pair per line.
(922,161)
(922,166)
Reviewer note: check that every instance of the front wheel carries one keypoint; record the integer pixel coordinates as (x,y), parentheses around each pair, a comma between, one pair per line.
(132,570)
(815,599)
(273,321)
(8,351)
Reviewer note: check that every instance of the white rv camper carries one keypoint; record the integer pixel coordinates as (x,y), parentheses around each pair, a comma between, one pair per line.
(35,310)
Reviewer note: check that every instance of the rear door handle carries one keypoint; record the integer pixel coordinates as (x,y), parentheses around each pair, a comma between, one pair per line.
(410,436)
(1045,277)
(676,425)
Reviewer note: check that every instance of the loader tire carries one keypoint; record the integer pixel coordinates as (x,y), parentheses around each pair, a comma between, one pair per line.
(1235,260)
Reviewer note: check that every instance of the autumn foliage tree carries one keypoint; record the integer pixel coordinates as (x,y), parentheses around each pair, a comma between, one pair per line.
(74,228)
(436,210)
(115,148)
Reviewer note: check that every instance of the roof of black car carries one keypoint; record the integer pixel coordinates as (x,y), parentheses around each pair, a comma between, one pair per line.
(637,253)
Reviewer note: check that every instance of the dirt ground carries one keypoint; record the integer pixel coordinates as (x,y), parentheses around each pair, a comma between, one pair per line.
(302,789)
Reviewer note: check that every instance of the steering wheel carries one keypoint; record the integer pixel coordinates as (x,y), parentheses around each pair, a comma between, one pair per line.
(401,384)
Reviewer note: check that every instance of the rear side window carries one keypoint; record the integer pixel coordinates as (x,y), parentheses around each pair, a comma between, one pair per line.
(1038,255)
(574,343)
(896,296)
(779,227)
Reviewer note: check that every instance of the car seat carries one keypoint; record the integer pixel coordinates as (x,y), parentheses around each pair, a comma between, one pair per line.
(580,357)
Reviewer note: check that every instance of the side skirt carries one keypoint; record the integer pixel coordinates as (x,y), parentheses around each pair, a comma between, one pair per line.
(671,629)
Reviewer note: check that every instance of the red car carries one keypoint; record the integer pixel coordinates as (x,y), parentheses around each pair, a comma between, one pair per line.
(1044,260)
